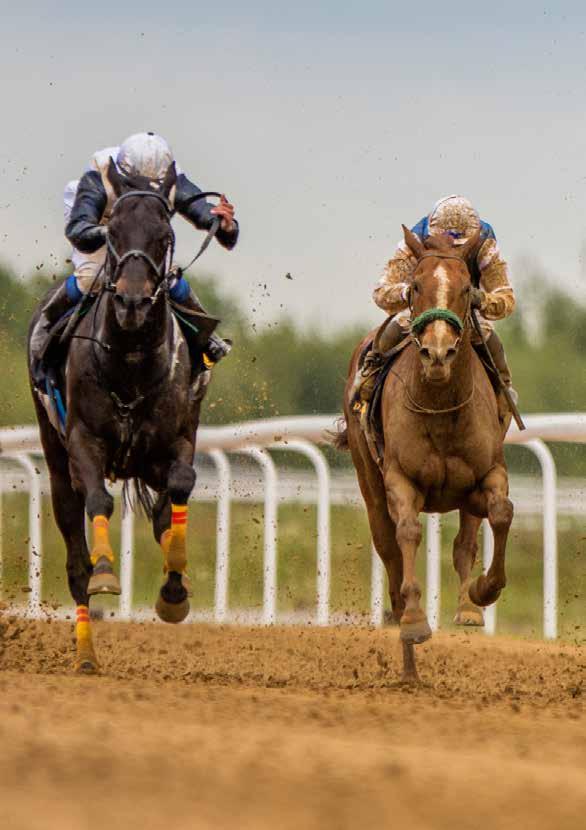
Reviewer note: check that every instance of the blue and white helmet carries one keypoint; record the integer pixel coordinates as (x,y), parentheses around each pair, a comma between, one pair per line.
(145,154)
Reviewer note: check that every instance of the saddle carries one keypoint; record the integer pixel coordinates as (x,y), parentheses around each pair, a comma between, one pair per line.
(48,374)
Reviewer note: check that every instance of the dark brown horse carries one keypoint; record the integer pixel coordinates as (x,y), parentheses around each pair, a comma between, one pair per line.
(132,409)
(443,446)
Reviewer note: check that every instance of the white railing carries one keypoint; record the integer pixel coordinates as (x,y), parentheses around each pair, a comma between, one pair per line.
(300,435)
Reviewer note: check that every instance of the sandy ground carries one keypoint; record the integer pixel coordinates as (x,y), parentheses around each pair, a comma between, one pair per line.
(204,727)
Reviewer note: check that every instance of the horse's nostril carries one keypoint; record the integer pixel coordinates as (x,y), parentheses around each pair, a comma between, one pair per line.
(425,353)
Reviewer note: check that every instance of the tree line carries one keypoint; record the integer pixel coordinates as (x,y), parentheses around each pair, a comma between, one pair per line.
(284,369)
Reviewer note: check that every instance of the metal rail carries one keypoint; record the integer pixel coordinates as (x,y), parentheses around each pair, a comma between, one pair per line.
(255,440)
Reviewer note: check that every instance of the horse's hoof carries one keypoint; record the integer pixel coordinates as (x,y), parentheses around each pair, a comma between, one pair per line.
(103,579)
(414,628)
(173,604)
(87,666)
(172,612)
(483,591)
(467,613)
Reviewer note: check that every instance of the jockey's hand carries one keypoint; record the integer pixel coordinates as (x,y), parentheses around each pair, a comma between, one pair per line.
(226,211)
(477,298)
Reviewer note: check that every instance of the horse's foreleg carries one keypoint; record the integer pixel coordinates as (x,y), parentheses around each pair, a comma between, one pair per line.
(86,464)
(464,556)
(495,488)
(68,508)
(173,603)
(404,504)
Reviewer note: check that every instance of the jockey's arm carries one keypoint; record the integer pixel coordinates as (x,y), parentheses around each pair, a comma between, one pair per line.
(499,298)
(391,292)
(83,229)
(199,212)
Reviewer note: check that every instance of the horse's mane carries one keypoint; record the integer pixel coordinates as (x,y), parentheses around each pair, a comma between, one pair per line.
(135,181)
(444,243)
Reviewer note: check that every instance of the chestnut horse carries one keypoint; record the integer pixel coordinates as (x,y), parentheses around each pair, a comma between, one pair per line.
(443,446)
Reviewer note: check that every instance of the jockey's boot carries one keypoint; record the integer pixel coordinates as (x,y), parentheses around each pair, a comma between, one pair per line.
(65,298)
(215,348)
(497,351)
(389,336)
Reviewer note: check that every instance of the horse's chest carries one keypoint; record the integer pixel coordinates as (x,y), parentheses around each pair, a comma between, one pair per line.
(433,470)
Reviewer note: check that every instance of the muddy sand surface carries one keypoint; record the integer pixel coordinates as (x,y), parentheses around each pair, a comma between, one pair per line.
(211,727)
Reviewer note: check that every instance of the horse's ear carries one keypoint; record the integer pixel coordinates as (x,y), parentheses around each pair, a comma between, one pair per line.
(115,177)
(170,180)
(413,242)
(471,246)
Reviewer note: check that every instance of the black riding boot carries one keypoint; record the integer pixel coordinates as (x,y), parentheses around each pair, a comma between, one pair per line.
(61,302)
(387,337)
(215,348)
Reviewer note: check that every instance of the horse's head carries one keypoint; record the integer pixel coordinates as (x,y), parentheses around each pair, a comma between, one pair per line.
(140,244)
(440,301)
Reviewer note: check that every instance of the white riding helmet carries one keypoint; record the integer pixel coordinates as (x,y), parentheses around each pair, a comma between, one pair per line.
(145,154)
(455,215)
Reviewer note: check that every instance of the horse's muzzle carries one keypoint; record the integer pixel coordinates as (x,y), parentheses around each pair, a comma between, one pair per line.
(132,310)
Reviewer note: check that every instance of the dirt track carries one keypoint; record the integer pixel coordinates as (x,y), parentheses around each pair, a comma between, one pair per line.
(201,727)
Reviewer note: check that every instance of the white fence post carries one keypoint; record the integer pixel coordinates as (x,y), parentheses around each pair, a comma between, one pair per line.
(269,614)
(487,554)
(126,563)
(323,521)
(222,535)
(377,589)
(433,582)
(35,539)
(550,543)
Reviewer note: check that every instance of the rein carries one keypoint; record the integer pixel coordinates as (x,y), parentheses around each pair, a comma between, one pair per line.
(164,269)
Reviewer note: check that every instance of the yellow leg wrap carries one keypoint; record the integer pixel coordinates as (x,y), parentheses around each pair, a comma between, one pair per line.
(176,554)
(208,362)
(165,542)
(102,546)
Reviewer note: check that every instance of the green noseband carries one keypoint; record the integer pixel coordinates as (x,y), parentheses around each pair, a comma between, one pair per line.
(432,314)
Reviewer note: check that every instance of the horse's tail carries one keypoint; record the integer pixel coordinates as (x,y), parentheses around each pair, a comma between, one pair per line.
(339,436)
(140,495)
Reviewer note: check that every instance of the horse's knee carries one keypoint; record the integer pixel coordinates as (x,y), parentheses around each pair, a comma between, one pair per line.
(99,503)
(181,482)
(409,531)
(500,514)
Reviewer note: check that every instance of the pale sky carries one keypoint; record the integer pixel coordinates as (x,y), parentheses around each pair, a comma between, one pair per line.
(327,124)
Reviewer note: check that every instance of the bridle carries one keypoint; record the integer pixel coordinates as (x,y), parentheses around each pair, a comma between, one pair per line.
(419,324)
(430,315)
(163,267)
(163,270)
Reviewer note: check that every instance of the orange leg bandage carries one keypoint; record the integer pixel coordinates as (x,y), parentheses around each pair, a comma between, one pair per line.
(102,546)
(173,540)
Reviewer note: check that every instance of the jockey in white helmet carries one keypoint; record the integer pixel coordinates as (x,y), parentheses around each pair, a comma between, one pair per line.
(88,206)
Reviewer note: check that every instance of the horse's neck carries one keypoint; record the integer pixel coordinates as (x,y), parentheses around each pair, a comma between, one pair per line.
(134,362)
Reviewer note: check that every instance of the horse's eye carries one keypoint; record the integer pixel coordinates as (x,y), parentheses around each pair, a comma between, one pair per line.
(416,287)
